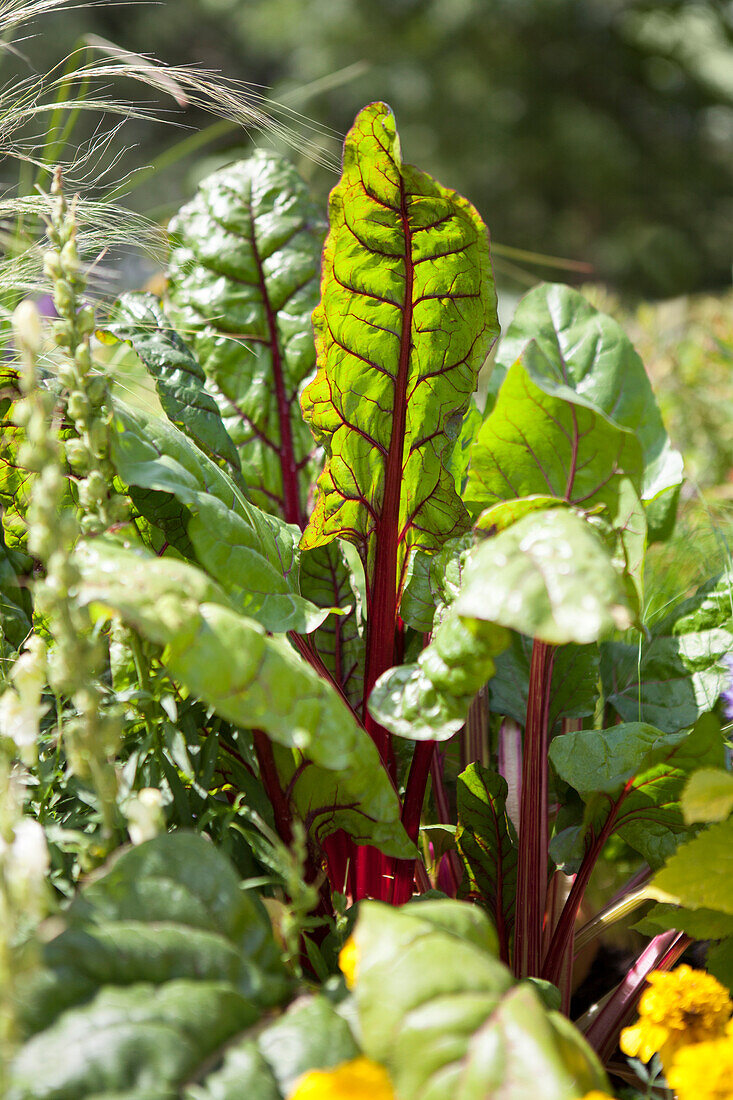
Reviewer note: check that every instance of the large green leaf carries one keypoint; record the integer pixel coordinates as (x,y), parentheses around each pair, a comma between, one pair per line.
(406,318)
(433,582)
(549,577)
(140,321)
(677,673)
(252,554)
(443,1014)
(155,988)
(244,280)
(249,678)
(635,773)
(535,443)
(699,875)
(487,842)
(572,350)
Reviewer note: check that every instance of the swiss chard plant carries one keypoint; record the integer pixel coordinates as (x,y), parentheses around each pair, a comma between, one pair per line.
(406,632)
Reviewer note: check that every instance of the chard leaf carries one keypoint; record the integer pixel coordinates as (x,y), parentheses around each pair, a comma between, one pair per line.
(445,1017)
(139,320)
(535,443)
(574,687)
(244,281)
(487,842)
(633,775)
(252,554)
(156,986)
(678,674)
(699,875)
(548,576)
(571,350)
(326,578)
(406,318)
(429,700)
(708,796)
(247,677)
(433,582)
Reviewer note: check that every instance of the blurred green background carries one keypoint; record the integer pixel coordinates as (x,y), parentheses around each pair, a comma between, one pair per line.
(595,130)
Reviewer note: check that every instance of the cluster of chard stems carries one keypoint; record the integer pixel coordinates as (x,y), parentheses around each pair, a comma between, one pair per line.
(544,943)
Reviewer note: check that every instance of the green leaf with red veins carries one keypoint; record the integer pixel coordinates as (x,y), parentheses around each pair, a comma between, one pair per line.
(406,318)
(243,282)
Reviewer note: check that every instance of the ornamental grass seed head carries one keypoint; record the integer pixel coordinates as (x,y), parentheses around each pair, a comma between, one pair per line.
(678,1008)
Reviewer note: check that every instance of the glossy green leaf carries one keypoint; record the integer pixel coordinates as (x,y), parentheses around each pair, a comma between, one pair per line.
(535,443)
(572,350)
(243,281)
(429,700)
(637,773)
(406,318)
(445,1017)
(140,321)
(252,554)
(487,843)
(433,582)
(247,677)
(549,577)
(677,674)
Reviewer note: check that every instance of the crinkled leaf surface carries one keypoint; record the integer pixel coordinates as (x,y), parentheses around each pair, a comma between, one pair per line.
(487,842)
(252,554)
(249,678)
(429,700)
(444,1015)
(549,577)
(433,582)
(140,321)
(637,773)
(243,278)
(156,986)
(573,351)
(406,318)
(535,443)
(678,673)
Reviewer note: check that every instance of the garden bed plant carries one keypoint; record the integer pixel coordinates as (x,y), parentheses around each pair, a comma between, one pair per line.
(356,671)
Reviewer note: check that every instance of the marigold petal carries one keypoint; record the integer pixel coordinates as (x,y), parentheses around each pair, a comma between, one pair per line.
(349,962)
(360,1079)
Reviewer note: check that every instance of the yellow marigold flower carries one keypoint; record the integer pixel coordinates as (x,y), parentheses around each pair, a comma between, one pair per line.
(349,961)
(361,1079)
(681,1007)
(596,1095)
(704,1071)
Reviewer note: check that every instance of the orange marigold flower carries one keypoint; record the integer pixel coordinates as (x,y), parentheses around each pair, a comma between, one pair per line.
(349,962)
(360,1079)
(704,1071)
(678,1008)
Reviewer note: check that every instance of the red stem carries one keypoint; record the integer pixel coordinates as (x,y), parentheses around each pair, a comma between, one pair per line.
(533,828)
(404,869)
(271,782)
(561,945)
(660,954)
(451,861)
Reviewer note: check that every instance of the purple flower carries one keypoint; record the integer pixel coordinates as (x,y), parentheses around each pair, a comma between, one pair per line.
(727,695)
